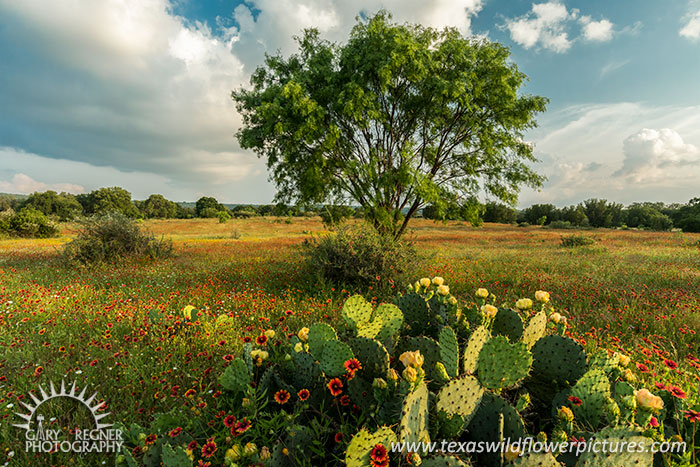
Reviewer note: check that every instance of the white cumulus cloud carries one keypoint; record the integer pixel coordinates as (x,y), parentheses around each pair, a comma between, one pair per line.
(24,184)
(544,25)
(649,152)
(596,31)
(691,30)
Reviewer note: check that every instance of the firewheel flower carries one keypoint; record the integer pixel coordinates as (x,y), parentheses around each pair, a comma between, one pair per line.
(379,456)
(352,365)
(335,386)
(282,397)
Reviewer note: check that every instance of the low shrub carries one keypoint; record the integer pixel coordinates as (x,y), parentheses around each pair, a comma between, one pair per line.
(571,241)
(561,225)
(111,237)
(27,223)
(223,217)
(357,257)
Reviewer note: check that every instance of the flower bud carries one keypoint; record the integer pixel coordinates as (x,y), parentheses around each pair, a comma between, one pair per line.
(482,293)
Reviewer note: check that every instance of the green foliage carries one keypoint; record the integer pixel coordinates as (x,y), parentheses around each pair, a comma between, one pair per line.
(112,237)
(28,223)
(575,240)
(615,437)
(414,416)
(335,354)
(63,206)
(334,215)
(449,351)
(157,207)
(206,206)
(499,213)
(357,257)
(236,376)
(508,323)
(310,115)
(108,200)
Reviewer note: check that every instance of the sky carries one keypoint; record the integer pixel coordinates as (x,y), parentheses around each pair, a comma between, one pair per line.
(136,93)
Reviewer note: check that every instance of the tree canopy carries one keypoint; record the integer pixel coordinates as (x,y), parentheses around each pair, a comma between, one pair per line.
(397,118)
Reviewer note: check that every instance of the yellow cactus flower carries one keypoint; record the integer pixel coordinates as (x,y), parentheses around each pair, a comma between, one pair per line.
(482,293)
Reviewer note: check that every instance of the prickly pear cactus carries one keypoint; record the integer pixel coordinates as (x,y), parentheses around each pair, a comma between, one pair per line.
(449,351)
(537,460)
(175,457)
(485,425)
(536,329)
(372,355)
(617,457)
(370,329)
(509,324)
(502,364)
(558,361)
(594,391)
(236,376)
(361,445)
(306,370)
(335,354)
(356,311)
(603,360)
(414,416)
(392,320)
(361,391)
(474,346)
(443,461)
(319,334)
(460,397)
(415,311)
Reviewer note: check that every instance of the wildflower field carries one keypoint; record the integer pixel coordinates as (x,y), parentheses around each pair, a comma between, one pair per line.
(120,329)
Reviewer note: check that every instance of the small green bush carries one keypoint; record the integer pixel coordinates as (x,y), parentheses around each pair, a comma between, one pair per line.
(223,216)
(571,241)
(561,225)
(28,223)
(357,257)
(111,237)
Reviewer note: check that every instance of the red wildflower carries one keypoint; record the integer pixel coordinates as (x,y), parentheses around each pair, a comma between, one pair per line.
(150,439)
(228,357)
(261,339)
(209,448)
(174,432)
(193,445)
(660,385)
(303,394)
(229,421)
(575,400)
(282,397)
(654,422)
(379,456)
(353,365)
(670,363)
(241,427)
(339,437)
(335,386)
(678,392)
(643,368)
(247,339)
(190,393)
(692,415)
(345,400)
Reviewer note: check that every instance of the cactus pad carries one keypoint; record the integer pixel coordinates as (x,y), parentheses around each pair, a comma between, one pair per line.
(370,329)
(474,346)
(236,376)
(306,370)
(356,311)
(502,364)
(537,460)
(335,354)
(460,397)
(508,323)
(449,351)
(485,425)
(414,416)
(361,392)
(361,445)
(174,457)
(319,334)
(615,437)
(594,390)
(392,319)
(372,355)
(415,311)
(443,461)
(604,361)
(558,360)
(536,329)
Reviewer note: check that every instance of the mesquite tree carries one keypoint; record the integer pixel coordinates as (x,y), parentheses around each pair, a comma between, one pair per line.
(398,117)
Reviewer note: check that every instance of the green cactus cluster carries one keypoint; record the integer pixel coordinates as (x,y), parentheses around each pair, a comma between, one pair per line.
(423,372)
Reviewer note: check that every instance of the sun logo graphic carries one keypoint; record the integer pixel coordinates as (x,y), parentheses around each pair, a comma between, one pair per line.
(40,437)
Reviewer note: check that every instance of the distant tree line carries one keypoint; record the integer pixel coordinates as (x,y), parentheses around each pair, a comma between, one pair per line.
(60,207)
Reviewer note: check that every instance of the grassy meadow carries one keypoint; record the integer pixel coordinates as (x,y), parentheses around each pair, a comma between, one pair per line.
(117,328)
